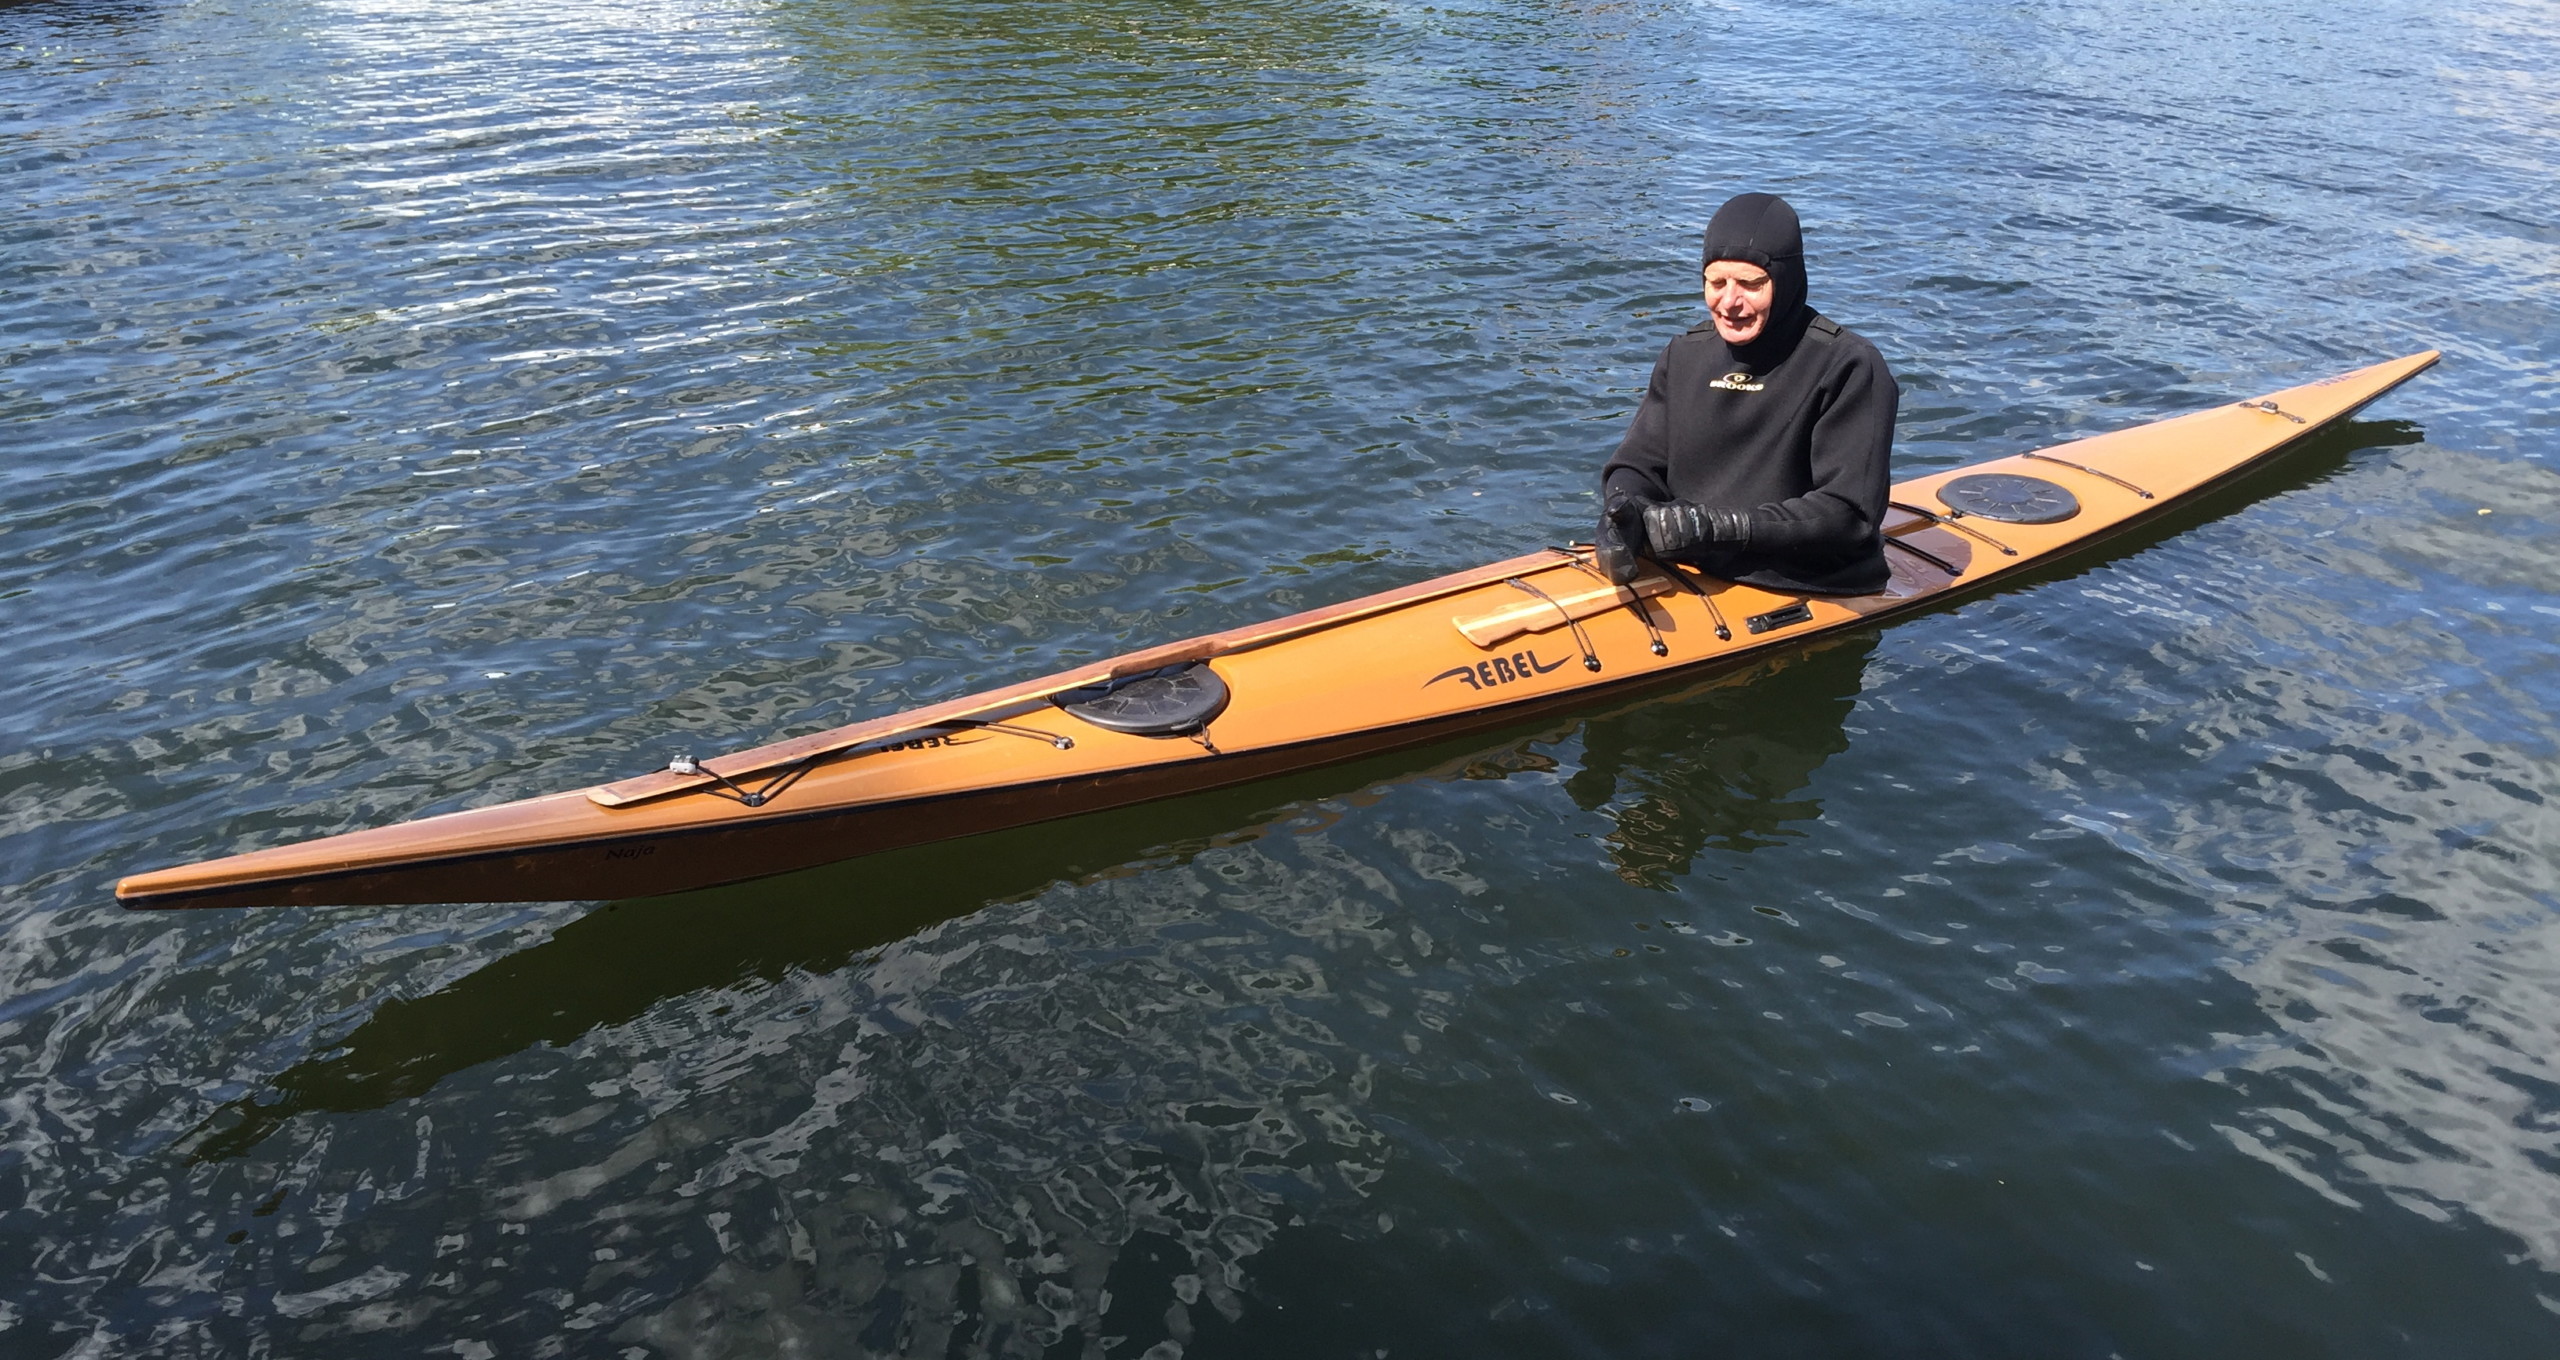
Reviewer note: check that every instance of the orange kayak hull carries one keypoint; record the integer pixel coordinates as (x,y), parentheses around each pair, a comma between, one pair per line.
(1465,652)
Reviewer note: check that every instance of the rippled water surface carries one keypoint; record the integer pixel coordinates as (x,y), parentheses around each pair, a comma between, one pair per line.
(410,406)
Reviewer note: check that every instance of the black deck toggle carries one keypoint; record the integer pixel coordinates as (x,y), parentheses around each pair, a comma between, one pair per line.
(1785,616)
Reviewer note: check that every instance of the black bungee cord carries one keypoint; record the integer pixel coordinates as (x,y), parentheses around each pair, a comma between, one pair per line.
(1590,657)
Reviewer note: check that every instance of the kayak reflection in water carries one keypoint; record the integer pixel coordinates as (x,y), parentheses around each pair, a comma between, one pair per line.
(1762,450)
(1721,767)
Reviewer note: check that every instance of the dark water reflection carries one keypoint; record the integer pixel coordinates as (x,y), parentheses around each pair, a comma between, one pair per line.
(611,966)
(1157,1115)
(1677,780)
(408,406)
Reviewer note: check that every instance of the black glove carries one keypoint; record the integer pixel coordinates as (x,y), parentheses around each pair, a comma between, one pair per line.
(1619,540)
(1677,527)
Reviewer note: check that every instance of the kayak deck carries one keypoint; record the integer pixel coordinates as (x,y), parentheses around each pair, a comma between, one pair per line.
(1473,649)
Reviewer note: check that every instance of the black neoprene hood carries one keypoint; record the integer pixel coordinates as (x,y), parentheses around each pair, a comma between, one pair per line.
(1762,229)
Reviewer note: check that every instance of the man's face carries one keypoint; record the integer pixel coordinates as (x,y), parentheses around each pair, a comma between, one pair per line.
(1738,297)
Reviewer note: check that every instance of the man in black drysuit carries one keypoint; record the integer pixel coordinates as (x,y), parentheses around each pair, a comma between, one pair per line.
(1761,451)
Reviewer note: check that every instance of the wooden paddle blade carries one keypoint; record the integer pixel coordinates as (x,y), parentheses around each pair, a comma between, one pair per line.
(1535,614)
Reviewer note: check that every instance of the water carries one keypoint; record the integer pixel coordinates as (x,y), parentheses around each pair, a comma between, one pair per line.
(413,406)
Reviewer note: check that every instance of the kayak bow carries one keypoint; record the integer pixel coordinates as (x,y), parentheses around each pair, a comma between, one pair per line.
(1470,650)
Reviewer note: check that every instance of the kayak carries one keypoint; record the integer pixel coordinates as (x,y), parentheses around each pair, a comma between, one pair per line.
(1471,650)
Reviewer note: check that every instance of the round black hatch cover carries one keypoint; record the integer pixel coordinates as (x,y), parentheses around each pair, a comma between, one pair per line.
(1174,702)
(2009,498)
